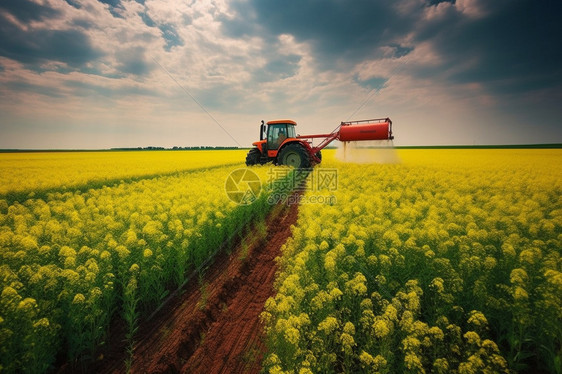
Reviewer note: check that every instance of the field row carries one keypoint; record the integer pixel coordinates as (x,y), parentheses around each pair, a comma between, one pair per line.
(32,172)
(72,262)
(450,262)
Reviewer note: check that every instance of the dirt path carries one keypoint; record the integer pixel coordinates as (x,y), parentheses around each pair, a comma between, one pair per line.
(214,326)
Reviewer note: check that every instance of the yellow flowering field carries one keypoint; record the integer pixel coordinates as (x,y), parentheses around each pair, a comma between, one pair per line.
(448,262)
(30,172)
(72,261)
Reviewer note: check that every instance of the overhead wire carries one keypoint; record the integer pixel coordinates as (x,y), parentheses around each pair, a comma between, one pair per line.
(196,101)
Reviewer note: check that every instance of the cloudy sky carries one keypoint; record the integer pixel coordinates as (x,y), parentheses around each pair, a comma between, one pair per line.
(125,73)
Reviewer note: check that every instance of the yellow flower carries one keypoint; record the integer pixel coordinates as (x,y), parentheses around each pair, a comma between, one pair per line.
(41,324)
(78,299)
(122,252)
(518,276)
(381,328)
(441,366)
(66,251)
(357,285)
(366,358)
(349,328)
(335,293)
(70,262)
(285,304)
(328,325)
(436,333)
(411,344)
(520,294)
(490,346)
(276,369)
(554,277)
(530,256)
(319,300)
(390,313)
(272,359)
(27,306)
(477,319)
(437,285)
(366,304)
(347,342)
(292,335)
(508,250)
(472,338)
(413,362)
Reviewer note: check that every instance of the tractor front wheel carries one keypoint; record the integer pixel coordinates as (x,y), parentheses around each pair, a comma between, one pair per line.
(253,157)
(294,155)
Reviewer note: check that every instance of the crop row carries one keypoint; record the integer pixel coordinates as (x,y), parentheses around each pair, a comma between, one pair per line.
(425,266)
(32,173)
(72,262)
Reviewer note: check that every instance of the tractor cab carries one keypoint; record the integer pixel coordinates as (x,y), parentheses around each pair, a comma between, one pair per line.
(273,135)
(278,132)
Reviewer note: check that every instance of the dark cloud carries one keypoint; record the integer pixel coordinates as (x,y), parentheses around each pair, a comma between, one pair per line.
(74,4)
(35,47)
(244,23)
(374,83)
(133,61)
(26,11)
(169,32)
(338,31)
(278,67)
(517,47)
(21,86)
(170,35)
(400,50)
(147,20)
(113,3)
(84,89)
(115,7)
(513,45)
(435,2)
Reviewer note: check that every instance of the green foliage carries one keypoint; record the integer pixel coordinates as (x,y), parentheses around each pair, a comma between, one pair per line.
(73,261)
(429,266)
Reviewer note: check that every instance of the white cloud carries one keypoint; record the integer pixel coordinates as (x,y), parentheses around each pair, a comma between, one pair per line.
(240,79)
(472,8)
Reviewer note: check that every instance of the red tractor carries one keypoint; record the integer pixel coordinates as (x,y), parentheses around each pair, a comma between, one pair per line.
(280,143)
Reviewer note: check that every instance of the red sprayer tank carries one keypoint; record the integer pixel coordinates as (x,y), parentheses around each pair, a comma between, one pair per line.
(375,129)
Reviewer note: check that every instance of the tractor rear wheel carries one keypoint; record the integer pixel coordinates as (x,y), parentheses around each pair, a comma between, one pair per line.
(294,155)
(253,157)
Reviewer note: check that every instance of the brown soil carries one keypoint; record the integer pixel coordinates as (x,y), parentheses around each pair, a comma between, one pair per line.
(214,326)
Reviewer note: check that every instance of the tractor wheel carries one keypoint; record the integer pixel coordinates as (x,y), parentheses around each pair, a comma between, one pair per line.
(253,157)
(294,155)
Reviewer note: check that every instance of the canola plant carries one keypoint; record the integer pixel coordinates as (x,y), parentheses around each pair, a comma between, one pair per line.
(72,260)
(449,262)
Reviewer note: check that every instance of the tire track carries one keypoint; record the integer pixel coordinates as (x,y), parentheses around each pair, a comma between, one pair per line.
(214,326)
